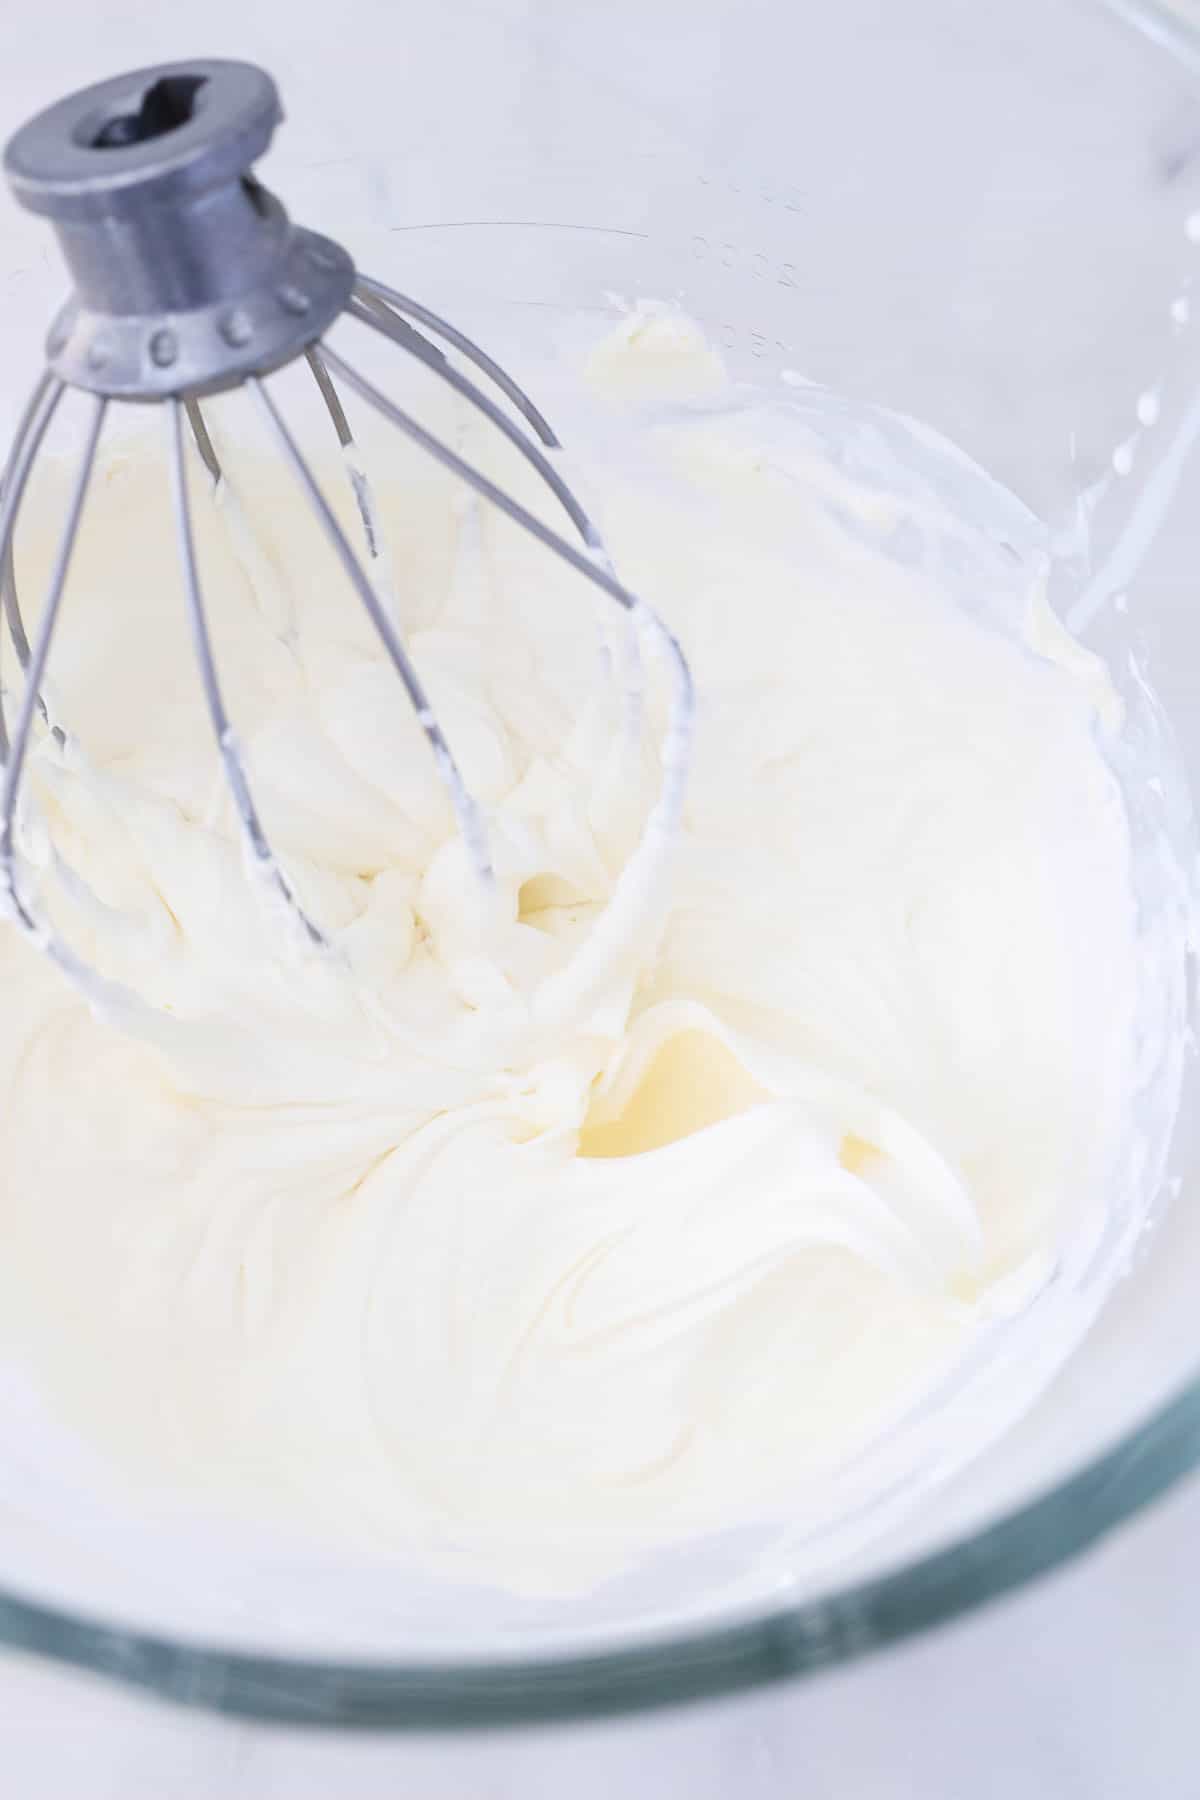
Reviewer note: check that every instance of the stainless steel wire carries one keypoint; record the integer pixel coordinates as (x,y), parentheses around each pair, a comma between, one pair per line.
(467,812)
(35,421)
(15,761)
(589,566)
(635,886)
(383,323)
(389,298)
(234,765)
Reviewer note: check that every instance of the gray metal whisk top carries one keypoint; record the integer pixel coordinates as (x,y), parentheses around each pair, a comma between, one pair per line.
(189,279)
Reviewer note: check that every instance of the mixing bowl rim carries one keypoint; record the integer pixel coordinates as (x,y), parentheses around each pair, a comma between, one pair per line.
(785,1643)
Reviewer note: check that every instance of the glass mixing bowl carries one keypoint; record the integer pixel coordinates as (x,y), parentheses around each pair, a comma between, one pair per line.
(978,216)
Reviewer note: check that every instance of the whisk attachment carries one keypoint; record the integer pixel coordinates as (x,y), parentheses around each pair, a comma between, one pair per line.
(190,280)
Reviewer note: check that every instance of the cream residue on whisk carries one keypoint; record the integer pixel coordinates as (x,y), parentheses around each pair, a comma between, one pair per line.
(368,1242)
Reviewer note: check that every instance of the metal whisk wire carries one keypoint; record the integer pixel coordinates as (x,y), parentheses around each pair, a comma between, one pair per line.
(227,744)
(37,419)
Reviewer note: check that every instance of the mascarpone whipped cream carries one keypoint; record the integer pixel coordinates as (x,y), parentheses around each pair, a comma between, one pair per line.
(406,1242)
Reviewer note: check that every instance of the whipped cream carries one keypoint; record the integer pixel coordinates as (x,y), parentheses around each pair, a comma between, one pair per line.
(458,1238)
